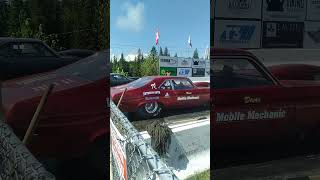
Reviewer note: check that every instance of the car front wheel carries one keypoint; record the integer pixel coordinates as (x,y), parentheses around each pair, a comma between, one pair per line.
(149,110)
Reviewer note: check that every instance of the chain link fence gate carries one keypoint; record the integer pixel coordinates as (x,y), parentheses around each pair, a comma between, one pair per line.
(16,161)
(131,157)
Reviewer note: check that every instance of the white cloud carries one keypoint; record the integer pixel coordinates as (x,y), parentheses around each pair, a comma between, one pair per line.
(133,19)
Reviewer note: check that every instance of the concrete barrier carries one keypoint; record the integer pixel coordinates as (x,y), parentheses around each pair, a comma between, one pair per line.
(189,151)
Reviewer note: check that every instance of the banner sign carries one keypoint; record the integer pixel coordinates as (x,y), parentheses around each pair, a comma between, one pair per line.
(313,10)
(311,35)
(118,151)
(168,71)
(166,61)
(199,63)
(184,62)
(184,72)
(282,34)
(238,9)
(284,10)
(237,34)
(198,72)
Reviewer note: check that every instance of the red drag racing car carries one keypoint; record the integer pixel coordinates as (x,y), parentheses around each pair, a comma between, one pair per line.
(74,121)
(147,96)
(295,71)
(250,105)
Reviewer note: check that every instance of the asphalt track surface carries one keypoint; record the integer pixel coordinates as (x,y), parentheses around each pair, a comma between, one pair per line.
(171,117)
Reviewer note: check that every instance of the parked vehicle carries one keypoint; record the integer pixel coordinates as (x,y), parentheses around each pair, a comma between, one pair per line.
(74,121)
(76,53)
(295,71)
(118,79)
(147,96)
(251,106)
(20,57)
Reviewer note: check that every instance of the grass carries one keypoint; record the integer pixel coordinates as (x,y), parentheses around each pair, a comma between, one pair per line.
(200,176)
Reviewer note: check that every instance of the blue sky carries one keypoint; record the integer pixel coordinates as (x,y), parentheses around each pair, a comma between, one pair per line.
(135,22)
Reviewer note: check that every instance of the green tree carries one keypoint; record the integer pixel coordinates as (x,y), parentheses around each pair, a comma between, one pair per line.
(150,66)
(160,53)
(195,54)
(4,15)
(166,52)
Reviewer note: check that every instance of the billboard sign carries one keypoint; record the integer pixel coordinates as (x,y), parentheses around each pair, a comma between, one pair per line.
(168,71)
(238,9)
(166,61)
(284,10)
(282,34)
(313,10)
(237,34)
(184,62)
(184,72)
(312,35)
(198,72)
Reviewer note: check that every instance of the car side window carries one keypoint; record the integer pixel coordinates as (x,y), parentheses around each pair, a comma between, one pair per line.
(4,50)
(181,84)
(166,85)
(237,73)
(29,50)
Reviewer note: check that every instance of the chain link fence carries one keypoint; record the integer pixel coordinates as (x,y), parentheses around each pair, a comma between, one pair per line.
(16,161)
(132,158)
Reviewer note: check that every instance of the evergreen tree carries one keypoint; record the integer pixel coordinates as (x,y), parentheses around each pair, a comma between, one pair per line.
(161,53)
(176,55)
(166,51)
(195,54)
(4,12)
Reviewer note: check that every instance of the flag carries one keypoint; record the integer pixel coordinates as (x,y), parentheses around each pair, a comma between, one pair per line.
(189,41)
(157,37)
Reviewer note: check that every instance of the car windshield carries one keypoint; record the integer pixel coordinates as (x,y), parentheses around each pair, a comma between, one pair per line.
(91,68)
(140,82)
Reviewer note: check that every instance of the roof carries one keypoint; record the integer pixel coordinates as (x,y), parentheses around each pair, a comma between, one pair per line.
(4,40)
(229,51)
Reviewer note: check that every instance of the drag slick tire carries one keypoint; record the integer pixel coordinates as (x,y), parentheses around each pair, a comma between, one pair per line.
(149,110)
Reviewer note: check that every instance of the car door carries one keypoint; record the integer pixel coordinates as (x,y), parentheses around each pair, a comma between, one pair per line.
(185,96)
(167,94)
(249,106)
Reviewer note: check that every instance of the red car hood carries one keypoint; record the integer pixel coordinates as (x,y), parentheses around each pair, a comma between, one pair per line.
(34,86)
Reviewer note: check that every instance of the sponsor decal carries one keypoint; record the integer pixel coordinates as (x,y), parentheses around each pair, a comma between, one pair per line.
(239,4)
(237,34)
(184,98)
(153,86)
(251,100)
(167,95)
(151,93)
(151,98)
(250,115)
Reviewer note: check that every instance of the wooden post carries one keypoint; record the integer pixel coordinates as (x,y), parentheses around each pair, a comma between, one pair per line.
(35,118)
(121,97)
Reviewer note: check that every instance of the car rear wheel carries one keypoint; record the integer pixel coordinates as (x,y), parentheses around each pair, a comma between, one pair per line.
(149,110)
